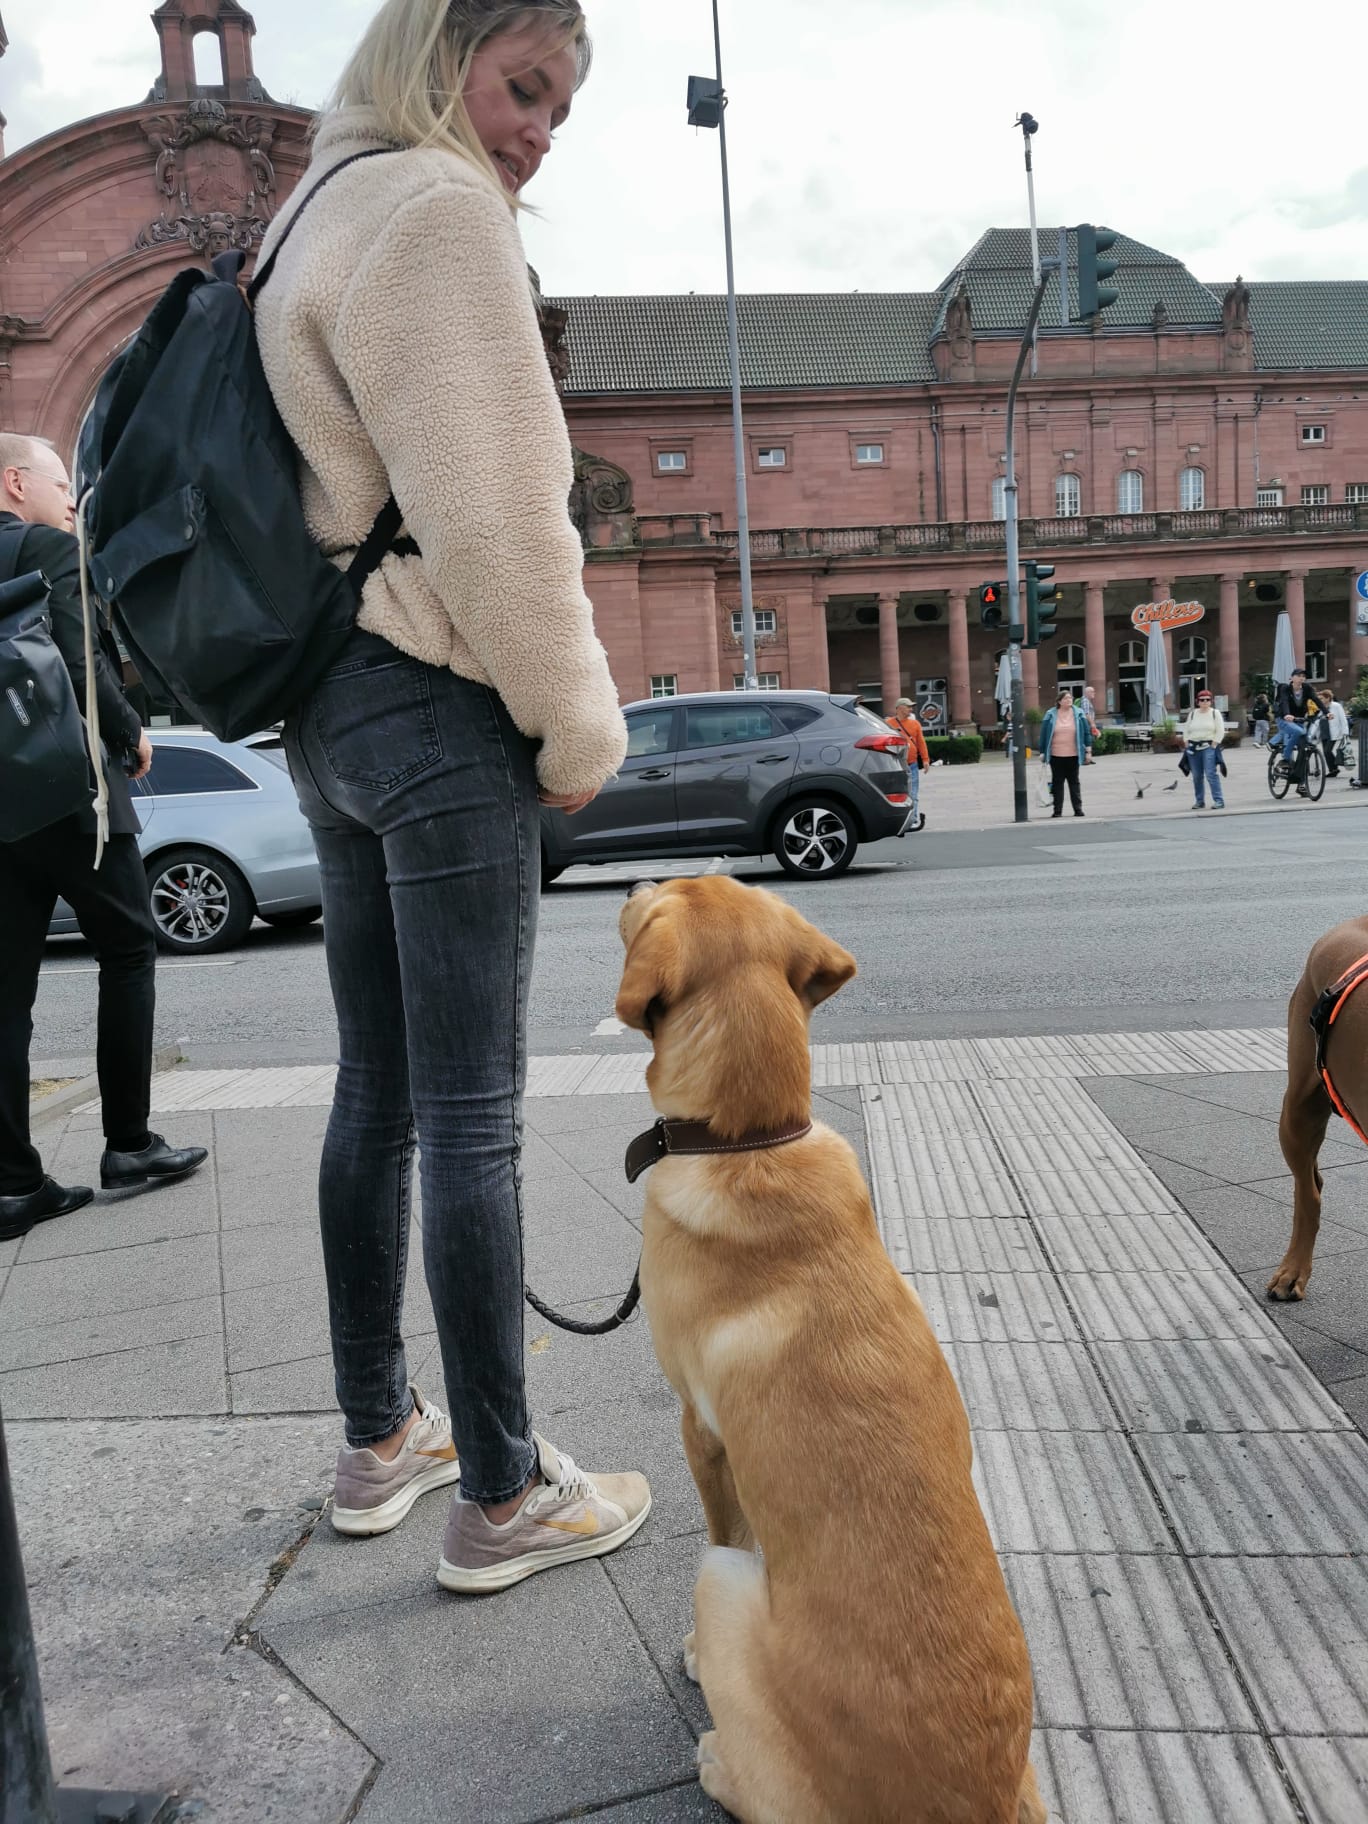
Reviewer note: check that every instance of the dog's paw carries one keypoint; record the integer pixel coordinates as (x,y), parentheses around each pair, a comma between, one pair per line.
(713,1776)
(690,1658)
(1288,1284)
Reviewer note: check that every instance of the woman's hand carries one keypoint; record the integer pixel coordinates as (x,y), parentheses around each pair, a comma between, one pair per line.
(569,802)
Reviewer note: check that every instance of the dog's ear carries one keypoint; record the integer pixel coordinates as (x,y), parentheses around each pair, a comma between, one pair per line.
(819,968)
(651,974)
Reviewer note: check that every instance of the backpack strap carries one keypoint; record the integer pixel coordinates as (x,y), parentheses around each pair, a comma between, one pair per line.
(11,544)
(228,267)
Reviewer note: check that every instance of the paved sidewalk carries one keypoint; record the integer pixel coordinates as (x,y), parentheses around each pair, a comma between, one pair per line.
(1178,1496)
(1117,785)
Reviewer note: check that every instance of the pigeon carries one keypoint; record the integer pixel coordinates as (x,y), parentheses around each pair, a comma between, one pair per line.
(1140,790)
(1173,787)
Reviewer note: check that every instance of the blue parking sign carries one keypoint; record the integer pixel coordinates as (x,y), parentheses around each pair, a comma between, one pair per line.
(1361,585)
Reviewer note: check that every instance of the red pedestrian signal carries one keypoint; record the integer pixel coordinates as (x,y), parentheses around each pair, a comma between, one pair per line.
(992,605)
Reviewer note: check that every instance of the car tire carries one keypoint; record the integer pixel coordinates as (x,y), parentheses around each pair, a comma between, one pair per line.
(286,921)
(200,902)
(815,838)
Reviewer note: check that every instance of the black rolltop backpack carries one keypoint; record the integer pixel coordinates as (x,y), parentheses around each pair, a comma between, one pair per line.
(190,517)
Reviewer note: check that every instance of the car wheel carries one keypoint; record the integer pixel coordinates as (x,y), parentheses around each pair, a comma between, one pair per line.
(200,902)
(301,915)
(815,839)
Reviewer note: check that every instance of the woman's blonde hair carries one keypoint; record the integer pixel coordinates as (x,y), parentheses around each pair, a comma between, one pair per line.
(412,66)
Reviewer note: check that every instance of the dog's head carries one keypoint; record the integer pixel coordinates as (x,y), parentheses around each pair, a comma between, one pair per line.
(722,978)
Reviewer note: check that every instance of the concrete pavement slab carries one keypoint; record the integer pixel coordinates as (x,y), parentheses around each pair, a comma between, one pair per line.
(568,1205)
(115,1279)
(171,1321)
(164,1213)
(272,1324)
(1177,1306)
(656,1587)
(1056,1491)
(160,1380)
(306,1385)
(563,1270)
(1217,1386)
(570,1374)
(1125,1777)
(1332,1774)
(1173,1671)
(1095,1243)
(995,1307)
(1180,1179)
(686,1804)
(974,1244)
(517,1709)
(137,1597)
(1295,1625)
(1030,1387)
(1326,1355)
(1262,1492)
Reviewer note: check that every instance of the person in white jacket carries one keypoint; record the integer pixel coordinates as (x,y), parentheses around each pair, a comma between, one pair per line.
(402,345)
(1203,733)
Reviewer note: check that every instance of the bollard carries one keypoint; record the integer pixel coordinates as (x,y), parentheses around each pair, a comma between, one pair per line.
(27,1794)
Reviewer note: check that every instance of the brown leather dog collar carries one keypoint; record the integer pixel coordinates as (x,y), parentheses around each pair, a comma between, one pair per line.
(666,1137)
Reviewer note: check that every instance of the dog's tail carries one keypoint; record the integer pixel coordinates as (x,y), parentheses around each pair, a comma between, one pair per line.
(1032,1807)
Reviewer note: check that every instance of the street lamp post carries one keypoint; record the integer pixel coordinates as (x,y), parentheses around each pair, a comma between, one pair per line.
(707,108)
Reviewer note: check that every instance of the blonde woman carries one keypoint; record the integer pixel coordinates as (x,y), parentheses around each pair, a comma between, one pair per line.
(401,342)
(1203,733)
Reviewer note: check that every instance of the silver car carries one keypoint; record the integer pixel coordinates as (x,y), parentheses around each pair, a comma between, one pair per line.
(223,839)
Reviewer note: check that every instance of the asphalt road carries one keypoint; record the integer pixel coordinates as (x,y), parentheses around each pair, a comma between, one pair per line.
(1202,920)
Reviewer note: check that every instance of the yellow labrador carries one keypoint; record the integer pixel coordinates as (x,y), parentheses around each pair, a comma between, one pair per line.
(853,1635)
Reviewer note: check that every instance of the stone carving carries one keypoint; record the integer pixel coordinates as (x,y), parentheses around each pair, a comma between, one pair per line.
(959,315)
(601,503)
(1235,310)
(553,326)
(216,168)
(1159,317)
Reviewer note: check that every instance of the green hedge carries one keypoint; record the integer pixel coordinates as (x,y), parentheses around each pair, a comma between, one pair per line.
(955,750)
(1110,741)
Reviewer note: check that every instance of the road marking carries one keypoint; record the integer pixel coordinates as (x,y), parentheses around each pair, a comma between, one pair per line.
(609,1029)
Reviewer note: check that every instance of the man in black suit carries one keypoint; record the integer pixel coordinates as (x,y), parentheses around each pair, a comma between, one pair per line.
(37,522)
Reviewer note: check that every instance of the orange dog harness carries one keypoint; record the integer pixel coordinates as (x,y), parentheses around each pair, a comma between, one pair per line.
(1323,1016)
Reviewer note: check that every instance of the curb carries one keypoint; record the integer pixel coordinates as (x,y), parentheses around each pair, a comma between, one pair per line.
(76,1095)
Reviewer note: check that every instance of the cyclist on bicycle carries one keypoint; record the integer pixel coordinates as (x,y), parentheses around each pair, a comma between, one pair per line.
(1296,709)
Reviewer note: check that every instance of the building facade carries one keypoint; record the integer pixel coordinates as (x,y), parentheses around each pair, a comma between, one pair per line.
(1200,442)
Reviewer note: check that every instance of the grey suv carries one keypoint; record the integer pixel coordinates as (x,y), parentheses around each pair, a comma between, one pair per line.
(797,774)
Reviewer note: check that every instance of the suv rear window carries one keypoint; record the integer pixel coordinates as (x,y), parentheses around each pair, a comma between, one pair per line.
(795,716)
(718,724)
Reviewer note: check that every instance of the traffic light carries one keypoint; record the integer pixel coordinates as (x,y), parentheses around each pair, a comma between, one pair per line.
(993,605)
(1040,596)
(1092,296)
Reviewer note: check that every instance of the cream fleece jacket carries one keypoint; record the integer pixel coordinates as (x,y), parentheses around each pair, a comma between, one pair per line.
(402,348)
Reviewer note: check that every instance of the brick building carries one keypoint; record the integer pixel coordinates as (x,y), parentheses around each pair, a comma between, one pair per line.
(1201,442)
(1207,442)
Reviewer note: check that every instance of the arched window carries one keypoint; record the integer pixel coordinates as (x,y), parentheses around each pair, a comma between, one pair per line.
(1068,497)
(208,50)
(999,497)
(1130,491)
(1192,491)
(1192,668)
(1130,677)
(1072,667)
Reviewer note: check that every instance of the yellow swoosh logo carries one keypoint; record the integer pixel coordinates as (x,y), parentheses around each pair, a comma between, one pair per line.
(446,1454)
(587,1526)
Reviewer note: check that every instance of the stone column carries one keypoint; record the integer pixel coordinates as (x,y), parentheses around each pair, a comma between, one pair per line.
(1296,613)
(889,668)
(809,660)
(1163,592)
(961,699)
(1095,639)
(1230,640)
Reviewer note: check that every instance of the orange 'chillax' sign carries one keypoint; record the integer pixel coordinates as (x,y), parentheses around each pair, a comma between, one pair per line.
(1165,616)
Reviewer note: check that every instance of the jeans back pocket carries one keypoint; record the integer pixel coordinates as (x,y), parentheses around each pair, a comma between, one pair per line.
(375,723)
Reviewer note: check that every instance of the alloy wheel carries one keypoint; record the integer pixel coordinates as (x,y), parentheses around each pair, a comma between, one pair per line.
(816,839)
(191,903)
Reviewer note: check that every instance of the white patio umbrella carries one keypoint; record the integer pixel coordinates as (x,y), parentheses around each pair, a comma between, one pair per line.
(1156,674)
(1002,690)
(1284,658)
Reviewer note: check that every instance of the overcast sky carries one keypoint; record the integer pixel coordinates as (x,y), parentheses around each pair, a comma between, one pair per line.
(871,141)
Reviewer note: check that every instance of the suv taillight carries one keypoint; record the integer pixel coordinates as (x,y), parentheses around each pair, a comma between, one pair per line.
(883,744)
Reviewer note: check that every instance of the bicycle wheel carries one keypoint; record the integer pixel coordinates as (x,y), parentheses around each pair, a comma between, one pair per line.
(1278,780)
(1315,774)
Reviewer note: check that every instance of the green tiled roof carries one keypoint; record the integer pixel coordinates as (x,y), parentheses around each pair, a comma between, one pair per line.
(1311,323)
(799,341)
(789,340)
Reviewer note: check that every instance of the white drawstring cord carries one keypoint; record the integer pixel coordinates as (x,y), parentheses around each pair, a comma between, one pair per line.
(92,705)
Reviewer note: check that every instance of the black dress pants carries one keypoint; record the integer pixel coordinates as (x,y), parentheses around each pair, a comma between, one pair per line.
(1062,773)
(114,914)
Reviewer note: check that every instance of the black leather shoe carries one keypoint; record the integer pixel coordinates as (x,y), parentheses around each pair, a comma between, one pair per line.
(157,1163)
(19,1214)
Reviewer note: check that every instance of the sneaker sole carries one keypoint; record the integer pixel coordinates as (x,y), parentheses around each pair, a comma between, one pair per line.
(492,1577)
(362,1522)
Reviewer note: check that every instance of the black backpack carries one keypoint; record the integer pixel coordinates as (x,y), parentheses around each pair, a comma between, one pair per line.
(193,527)
(43,768)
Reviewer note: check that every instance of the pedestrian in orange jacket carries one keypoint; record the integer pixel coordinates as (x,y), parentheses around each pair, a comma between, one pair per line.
(904,719)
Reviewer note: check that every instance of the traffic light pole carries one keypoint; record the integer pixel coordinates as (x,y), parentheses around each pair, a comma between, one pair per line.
(1016,628)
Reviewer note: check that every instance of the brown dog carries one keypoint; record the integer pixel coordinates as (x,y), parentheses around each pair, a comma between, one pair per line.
(868,1667)
(1307,1108)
